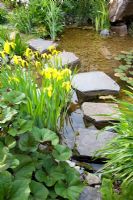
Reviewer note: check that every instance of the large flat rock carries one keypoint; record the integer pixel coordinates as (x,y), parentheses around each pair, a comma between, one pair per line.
(89,141)
(92,84)
(101,114)
(90,193)
(67,59)
(40,44)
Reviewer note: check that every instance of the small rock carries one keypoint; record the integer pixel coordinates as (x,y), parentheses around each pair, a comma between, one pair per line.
(90,193)
(92,179)
(101,114)
(41,45)
(120,30)
(67,59)
(90,85)
(88,142)
(2,5)
(105,52)
(104,33)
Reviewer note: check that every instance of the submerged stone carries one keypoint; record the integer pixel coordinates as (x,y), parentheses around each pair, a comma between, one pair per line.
(120,30)
(40,44)
(101,114)
(90,193)
(88,142)
(93,84)
(67,59)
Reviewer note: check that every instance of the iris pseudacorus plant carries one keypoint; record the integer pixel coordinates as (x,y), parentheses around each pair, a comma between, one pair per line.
(47,99)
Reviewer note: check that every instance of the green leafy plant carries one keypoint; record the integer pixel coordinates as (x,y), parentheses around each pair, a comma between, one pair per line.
(3,16)
(32,160)
(125,71)
(25,167)
(108,191)
(119,153)
(22,20)
(54,18)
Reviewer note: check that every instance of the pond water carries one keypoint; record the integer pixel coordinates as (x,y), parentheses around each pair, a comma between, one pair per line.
(90,47)
(95,53)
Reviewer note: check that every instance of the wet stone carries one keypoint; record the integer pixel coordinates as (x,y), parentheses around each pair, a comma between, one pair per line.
(40,44)
(90,85)
(67,59)
(120,30)
(89,141)
(100,114)
(90,193)
(92,179)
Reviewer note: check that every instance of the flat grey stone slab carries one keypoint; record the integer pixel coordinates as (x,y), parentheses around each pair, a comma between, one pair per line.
(92,84)
(66,59)
(40,44)
(90,193)
(89,141)
(100,113)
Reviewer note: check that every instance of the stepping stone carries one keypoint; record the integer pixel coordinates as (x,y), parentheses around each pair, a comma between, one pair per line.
(90,193)
(41,45)
(101,114)
(93,84)
(67,59)
(89,141)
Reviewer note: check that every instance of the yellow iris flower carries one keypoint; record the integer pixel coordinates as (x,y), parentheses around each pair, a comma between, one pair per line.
(7,47)
(51,48)
(67,86)
(49,89)
(16,59)
(37,64)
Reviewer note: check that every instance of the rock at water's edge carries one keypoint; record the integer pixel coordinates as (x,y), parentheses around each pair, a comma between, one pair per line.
(101,114)
(90,193)
(93,84)
(90,141)
(41,45)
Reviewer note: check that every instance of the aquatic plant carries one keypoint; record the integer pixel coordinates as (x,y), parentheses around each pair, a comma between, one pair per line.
(125,71)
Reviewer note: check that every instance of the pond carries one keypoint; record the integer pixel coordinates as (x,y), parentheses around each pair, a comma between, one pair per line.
(95,52)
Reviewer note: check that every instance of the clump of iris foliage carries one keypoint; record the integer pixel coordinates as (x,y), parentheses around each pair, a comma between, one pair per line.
(117,173)
(48,17)
(34,94)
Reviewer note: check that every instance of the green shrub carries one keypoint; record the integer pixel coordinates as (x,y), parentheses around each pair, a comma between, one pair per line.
(54,19)
(22,20)
(3,16)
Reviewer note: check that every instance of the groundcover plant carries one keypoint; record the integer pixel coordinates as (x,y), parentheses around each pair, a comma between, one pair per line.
(33,98)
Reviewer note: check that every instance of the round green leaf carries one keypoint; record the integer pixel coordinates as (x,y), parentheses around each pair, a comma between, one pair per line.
(61,152)
(38,190)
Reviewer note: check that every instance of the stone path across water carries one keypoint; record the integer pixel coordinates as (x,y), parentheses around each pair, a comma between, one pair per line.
(67,59)
(101,114)
(41,45)
(92,84)
(89,141)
